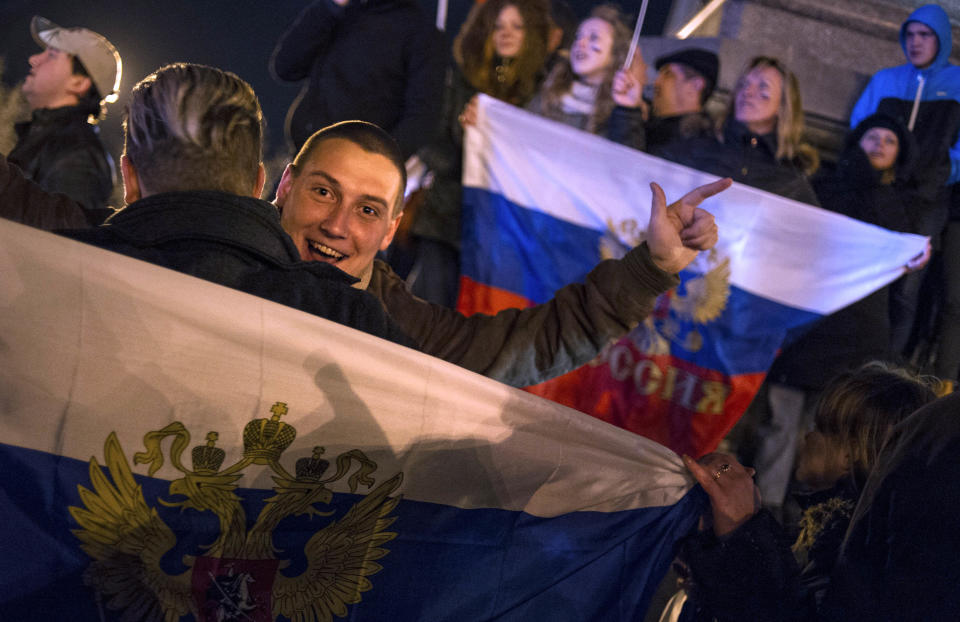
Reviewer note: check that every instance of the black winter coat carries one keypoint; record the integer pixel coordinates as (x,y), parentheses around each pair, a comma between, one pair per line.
(859,332)
(745,157)
(380,61)
(61,152)
(439,216)
(663,132)
(752,574)
(238,242)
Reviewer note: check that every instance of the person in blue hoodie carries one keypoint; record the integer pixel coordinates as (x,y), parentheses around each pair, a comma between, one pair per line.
(924,94)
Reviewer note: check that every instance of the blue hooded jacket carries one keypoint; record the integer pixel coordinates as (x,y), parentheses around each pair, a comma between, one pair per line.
(892,91)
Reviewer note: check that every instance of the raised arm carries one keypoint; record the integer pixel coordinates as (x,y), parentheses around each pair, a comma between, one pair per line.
(521,347)
(24,201)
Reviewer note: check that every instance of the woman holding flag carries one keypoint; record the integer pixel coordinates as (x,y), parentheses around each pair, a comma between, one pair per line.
(500,51)
(586,89)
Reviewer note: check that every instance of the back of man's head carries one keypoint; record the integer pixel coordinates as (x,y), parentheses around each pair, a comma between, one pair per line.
(192,127)
(367,136)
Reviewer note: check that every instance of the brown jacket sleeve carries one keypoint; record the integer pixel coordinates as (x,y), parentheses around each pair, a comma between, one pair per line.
(23,201)
(521,347)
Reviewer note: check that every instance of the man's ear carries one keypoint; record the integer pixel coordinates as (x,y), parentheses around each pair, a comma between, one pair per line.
(698,84)
(78,85)
(391,232)
(261,179)
(283,188)
(131,183)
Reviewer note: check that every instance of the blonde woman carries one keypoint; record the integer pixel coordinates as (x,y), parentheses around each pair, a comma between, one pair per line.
(759,143)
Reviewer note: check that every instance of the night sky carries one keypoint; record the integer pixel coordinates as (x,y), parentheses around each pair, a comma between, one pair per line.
(237,35)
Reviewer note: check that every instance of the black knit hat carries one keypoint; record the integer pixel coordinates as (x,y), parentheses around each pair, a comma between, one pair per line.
(702,61)
(905,137)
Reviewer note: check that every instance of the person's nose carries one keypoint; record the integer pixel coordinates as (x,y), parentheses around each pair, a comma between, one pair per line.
(336,223)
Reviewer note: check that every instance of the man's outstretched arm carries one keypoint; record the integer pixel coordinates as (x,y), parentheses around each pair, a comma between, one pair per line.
(25,202)
(521,347)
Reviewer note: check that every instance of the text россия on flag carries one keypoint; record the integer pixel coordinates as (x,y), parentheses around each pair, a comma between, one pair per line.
(544,203)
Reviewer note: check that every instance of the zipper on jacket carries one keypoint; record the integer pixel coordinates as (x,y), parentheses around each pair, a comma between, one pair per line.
(916,101)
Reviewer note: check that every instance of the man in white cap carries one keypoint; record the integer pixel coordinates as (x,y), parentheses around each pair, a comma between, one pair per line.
(69,84)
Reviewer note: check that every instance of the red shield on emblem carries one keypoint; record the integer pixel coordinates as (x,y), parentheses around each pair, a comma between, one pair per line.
(228,590)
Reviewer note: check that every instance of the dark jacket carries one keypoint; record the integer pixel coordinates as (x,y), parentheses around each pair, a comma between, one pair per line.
(238,242)
(752,574)
(59,150)
(521,347)
(24,201)
(899,557)
(745,157)
(662,132)
(380,61)
(439,216)
(860,332)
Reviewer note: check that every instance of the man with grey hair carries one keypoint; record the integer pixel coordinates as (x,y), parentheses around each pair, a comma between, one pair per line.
(67,89)
(192,176)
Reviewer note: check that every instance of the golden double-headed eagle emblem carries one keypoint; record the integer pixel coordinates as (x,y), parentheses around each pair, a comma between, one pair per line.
(238,576)
(703,299)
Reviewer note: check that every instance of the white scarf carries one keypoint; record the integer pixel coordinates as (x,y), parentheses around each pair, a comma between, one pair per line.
(580,99)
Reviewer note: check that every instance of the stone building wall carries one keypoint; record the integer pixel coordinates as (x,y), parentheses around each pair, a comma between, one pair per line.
(833,47)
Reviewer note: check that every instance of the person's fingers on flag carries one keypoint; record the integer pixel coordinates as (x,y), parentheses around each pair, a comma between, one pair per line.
(733,494)
(700,473)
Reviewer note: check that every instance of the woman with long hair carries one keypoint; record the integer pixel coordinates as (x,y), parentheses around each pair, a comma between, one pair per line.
(502,47)
(740,565)
(500,52)
(760,140)
(588,90)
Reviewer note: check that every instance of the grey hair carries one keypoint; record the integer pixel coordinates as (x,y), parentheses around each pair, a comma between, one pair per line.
(192,127)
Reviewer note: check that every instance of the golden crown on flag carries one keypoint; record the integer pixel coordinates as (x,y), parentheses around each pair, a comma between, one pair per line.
(265,439)
(208,459)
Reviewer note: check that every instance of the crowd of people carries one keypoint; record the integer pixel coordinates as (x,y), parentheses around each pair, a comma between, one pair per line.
(193,177)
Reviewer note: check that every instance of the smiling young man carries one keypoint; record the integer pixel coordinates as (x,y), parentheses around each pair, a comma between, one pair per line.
(340,202)
(192,178)
(67,88)
(345,190)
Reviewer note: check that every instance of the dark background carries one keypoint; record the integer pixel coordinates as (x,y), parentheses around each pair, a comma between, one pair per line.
(236,35)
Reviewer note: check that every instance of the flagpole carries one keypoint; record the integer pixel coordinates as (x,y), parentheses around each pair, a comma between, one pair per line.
(636,35)
(442,15)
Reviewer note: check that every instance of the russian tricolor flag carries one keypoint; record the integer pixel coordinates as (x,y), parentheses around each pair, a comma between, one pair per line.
(544,203)
(171,449)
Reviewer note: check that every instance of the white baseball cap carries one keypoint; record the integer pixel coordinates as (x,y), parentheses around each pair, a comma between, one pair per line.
(99,57)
